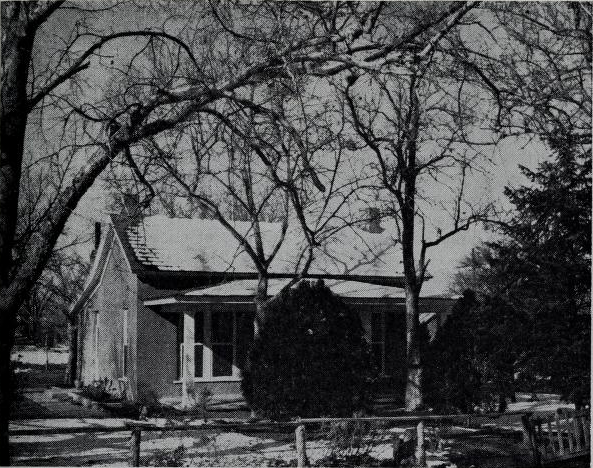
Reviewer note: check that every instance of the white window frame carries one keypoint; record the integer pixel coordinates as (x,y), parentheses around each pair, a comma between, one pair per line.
(96,342)
(207,354)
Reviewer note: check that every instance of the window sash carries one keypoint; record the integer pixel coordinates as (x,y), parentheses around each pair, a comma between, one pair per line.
(208,362)
(125,343)
(198,360)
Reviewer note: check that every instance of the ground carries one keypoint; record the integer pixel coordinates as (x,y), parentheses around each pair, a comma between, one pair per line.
(43,407)
(463,448)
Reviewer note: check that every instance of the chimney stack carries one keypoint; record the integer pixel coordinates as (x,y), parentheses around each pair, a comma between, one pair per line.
(97,241)
(132,208)
(373,220)
(97,234)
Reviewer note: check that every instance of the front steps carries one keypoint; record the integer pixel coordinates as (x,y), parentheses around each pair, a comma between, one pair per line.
(386,404)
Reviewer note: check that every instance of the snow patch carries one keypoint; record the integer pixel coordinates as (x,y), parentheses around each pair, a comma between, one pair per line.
(39,439)
(546,403)
(172,244)
(39,356)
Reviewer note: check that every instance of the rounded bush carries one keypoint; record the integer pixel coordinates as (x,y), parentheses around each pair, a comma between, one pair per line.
(311,358)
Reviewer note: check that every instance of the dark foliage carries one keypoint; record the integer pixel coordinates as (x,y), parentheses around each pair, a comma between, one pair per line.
(311,358)
(451,379)
(534,284)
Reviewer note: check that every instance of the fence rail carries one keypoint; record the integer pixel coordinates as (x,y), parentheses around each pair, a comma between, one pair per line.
(550,438)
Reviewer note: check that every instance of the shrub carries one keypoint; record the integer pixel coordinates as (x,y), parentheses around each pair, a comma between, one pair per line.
(311,358)
(96,391)
(470,365)
(452,381)
(168,457)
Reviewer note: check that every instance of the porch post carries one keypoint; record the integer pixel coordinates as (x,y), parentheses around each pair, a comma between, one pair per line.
(187,359)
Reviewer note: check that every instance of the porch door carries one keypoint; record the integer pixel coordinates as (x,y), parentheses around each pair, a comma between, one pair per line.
(385,331)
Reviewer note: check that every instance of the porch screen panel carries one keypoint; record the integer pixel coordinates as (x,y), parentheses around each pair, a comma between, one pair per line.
(222,343)
(395,346)
(244,324)
(198,344)
(179,359)
(378,340)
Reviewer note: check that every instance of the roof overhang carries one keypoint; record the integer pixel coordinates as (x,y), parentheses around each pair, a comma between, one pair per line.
(243,292)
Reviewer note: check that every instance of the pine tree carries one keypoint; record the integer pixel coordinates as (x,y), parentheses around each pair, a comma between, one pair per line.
(533,285)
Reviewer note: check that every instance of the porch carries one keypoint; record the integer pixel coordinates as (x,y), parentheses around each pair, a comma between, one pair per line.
(215,328)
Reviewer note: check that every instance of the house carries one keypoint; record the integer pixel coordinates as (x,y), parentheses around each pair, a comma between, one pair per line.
(167,307)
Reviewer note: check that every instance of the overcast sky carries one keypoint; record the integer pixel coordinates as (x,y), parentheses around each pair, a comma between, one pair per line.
(507,156)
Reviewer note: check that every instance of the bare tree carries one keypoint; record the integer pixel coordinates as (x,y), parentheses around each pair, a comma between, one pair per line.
(536,66)
(250,161)
(415,119)
(59,286)
(118,100)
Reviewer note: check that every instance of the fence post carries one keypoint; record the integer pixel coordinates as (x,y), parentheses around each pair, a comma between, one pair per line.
(529,438)
(301,446)
(395,443)
(135,446)
(420,452)
(559,434)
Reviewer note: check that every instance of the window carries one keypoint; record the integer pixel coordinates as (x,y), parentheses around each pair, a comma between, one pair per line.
(199,345)
(95,329)
(215,345)
(377,341)
(125,343)
(223,330)
(179,346)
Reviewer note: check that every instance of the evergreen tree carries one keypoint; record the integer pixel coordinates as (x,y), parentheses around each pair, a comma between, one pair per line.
(552,233)
(311,358)
(452,379)
(536,280)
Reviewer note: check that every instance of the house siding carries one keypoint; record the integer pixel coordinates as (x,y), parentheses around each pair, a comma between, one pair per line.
(157,349)
(87,354)
(153,334)
(103,325)
(441,308)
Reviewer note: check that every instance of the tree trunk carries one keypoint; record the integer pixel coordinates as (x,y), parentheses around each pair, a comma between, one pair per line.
(71,366)
(260,299)
(7,327)
(17,44)
(414,397)
(5,401)
(16,55)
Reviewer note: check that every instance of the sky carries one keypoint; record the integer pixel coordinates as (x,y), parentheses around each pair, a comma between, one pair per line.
(506,157)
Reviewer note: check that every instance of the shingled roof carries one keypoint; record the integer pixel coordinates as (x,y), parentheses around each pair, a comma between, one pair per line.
(177,254)
(162,244)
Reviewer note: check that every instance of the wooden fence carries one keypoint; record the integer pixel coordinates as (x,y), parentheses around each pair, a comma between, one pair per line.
(560,436)
(136,428)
